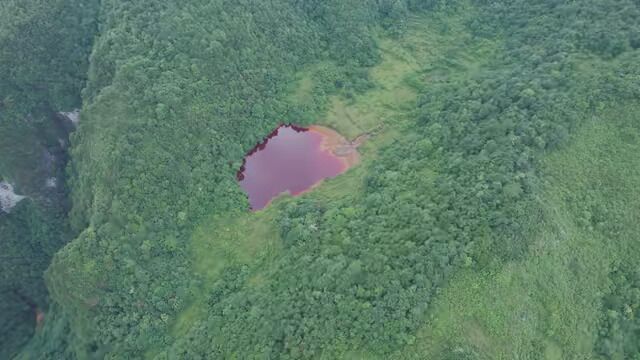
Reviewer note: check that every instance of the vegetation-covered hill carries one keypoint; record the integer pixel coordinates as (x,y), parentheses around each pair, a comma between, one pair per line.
(493,214)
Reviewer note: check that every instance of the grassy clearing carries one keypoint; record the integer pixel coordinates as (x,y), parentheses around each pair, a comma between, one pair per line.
(303,93)
(224,241)
(416,60)
(252,238)
(548,305)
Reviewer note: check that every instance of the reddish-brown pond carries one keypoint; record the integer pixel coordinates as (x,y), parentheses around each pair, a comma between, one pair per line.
(292,160)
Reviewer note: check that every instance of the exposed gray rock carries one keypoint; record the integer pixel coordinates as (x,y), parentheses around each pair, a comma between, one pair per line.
(8,198)
(51,182)
(73,116)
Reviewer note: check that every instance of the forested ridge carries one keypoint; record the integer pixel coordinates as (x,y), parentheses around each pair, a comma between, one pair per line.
(486,113)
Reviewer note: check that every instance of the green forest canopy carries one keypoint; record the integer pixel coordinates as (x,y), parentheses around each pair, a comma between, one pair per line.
(485,109)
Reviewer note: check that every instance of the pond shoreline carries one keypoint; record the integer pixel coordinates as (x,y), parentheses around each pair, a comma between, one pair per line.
(338,145)
(294,160)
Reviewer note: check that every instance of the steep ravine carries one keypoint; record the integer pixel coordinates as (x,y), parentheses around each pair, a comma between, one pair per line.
(33,224)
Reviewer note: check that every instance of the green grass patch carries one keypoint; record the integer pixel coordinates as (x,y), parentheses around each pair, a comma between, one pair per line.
(247,239)
(252,238)
(548,305)
(304,91)
(238,239)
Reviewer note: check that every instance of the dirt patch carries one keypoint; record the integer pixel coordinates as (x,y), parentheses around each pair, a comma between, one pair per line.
(339,146)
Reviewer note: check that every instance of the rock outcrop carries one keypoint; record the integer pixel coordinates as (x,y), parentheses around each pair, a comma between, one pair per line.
(8,198)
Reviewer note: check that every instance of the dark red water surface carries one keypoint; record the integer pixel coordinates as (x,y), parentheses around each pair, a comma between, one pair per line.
(291,159)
